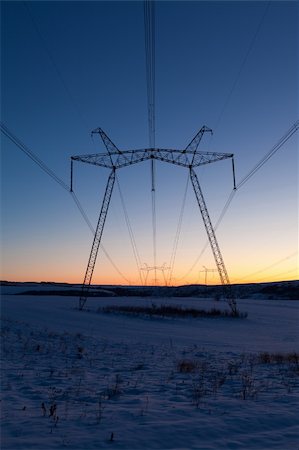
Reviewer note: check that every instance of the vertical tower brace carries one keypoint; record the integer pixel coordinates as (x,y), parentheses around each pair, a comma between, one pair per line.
(213,242)
(97,239)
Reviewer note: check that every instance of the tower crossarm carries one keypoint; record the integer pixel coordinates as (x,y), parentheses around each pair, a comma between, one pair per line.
(193,145)
(110,146)
(213,242)
(128,157)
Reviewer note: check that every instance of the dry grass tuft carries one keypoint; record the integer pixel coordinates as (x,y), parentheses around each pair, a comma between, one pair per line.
(170,311)
(186,366)
(278,358)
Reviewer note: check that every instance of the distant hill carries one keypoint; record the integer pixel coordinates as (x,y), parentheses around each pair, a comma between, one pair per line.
(282,290)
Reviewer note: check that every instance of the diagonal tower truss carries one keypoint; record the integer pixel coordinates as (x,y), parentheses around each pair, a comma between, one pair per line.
(190,157)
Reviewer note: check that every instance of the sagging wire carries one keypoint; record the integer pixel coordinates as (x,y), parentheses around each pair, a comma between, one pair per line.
(291,131)
(61,183)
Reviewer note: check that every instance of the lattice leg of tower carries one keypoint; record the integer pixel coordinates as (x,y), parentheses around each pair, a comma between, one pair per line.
(97,240)
(213,243)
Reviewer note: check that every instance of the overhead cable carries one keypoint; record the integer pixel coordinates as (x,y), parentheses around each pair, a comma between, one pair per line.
(265,269)
(58,180)
(131,234)
(149,28)
(149,34)
(268,155)
(32,156)
(244,180)
(54,64)
(279,275)
(249,49)
(178,232)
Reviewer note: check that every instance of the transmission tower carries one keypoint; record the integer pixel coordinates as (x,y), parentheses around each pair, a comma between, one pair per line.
(148,269)
(190,157)
(206,270)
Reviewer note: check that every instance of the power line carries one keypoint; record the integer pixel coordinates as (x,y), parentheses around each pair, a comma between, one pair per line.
(54,64)
(249,49)
(264,160)
(32,156)
(225,208)
(244,180)
(149,28)
(131,234)
(277,263)
(154,225)
(85,217)
(79,112)
(61,183)
(75,105)
(258,166)
(149,34)
(277,276)
(178,232)
(269,155)
(83,214)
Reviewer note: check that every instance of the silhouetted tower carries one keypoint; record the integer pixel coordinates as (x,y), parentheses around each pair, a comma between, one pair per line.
(189,158)
(149,269)
(206,270)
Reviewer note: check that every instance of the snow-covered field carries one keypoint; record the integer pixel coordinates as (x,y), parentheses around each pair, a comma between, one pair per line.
(88,380)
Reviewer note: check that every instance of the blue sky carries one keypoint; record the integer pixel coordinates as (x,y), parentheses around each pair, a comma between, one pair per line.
(69,67)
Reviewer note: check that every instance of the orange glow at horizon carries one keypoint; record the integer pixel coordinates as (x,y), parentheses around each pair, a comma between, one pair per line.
(251,266)
(289,273)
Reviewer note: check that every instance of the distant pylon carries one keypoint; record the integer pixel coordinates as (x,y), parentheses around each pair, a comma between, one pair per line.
(148,269)
(206,273)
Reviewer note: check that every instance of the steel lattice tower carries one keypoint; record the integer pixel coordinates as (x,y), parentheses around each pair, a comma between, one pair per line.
(189,158)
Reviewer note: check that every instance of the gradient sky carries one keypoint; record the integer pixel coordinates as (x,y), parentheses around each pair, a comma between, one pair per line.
(69,67)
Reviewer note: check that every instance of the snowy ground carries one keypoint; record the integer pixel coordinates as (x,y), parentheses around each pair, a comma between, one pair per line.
(88,380)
